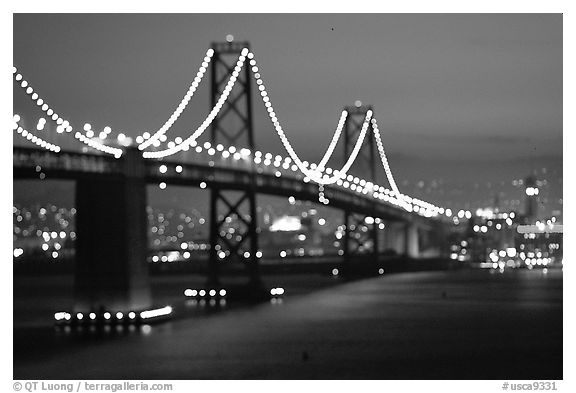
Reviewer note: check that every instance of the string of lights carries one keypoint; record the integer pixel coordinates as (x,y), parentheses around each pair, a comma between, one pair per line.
(181,107)
(383,158)
(33,138)
(63,124)
(191,140)
(315,175)
(334,141)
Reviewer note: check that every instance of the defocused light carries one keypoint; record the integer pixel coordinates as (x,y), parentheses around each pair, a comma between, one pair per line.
(156,313)
(335,272)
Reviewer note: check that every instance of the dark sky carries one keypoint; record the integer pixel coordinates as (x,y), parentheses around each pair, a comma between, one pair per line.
(472,88)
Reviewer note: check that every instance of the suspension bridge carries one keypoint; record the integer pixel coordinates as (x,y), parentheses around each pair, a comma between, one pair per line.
(111,179)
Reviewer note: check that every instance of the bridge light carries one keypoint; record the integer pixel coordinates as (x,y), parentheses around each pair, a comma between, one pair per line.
(162,185)
(119,315)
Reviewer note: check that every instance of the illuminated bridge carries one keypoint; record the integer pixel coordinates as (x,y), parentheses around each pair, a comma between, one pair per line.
(111,184)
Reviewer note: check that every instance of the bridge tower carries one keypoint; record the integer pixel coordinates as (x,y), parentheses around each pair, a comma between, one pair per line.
(361,234)
(233,216)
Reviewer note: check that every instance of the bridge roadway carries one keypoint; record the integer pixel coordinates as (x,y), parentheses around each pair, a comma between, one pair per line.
(111,202)
(227,174)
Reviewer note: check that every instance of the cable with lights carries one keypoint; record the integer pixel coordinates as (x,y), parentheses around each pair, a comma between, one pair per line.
(33,138)
(63,124)
(315,175)
(191,140)
(181,107)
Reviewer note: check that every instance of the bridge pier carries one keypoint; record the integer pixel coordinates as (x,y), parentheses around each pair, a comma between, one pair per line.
(411,242)
(394,238)
(111,271)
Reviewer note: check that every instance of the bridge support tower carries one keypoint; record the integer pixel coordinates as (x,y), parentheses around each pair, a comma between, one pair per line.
(233,214)
(361,232)
(111,225)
